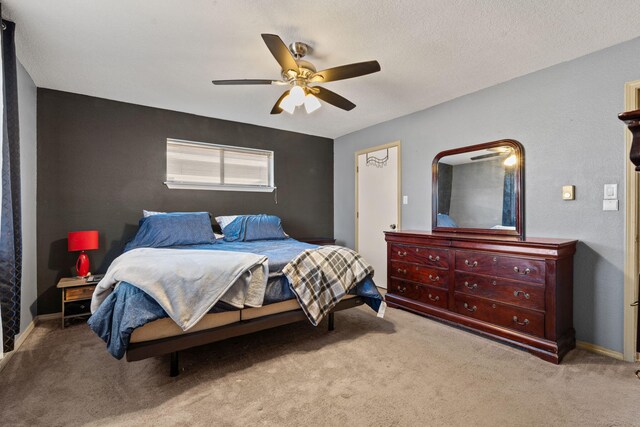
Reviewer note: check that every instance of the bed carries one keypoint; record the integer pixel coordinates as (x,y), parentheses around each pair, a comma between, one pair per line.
(137,323)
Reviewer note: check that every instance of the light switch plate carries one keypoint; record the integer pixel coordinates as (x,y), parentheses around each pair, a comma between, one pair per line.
(568,192)
(610,191)
(405,200)
(609,205)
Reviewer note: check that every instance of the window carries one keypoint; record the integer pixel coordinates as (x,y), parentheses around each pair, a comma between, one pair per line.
(201,166)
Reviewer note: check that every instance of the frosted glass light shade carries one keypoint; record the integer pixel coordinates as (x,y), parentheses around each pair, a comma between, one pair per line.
(511,160)
(287,104)
(297,95)
(311,103)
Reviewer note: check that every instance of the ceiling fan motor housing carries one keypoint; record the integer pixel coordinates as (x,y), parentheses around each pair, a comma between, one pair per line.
(299,49)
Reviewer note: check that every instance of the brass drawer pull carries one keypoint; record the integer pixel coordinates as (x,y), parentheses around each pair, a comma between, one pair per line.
(400,270)
(436,259)
(436,299)
(402,253)
(525,294)
(472,309)
(471,264)
(524,273)
(434,279)
(524,323)
(474,286)
(402,290)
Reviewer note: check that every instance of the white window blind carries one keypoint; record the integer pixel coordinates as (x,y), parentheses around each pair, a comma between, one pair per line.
(197,165)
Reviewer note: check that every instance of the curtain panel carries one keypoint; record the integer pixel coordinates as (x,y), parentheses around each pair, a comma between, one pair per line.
(10,216)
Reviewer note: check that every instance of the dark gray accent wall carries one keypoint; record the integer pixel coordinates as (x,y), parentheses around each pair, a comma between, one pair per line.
(101,162)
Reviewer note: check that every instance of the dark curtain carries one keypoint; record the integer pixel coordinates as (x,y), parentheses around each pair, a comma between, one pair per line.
(509,198)
(445,178)
(10,227)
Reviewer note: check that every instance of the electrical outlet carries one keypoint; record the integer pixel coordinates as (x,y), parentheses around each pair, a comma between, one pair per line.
(609,205)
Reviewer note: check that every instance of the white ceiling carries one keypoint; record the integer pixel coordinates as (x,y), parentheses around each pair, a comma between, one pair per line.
(164,53)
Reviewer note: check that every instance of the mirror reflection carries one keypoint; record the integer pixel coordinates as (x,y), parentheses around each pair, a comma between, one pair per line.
(476,189)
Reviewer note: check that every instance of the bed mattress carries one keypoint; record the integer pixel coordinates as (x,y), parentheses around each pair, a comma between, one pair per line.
(166,327)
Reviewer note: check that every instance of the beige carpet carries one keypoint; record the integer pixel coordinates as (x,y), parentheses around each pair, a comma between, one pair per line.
(404,370)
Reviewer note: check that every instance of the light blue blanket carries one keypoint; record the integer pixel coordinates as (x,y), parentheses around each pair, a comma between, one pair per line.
(186,283)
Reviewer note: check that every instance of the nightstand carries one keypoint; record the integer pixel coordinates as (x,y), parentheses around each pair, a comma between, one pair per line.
(76,297)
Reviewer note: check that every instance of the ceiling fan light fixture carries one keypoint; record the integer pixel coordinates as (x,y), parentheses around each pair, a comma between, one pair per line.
(311,103)
(287,104)
(511,160)
(297,95)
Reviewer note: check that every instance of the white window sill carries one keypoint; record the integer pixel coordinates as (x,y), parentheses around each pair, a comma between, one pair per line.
(217,187)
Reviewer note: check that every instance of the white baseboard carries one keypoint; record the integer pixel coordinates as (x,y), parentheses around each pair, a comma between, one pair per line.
(594,348)
(22,337)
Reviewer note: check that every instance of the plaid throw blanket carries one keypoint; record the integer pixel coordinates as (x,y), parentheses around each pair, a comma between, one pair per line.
(321,277)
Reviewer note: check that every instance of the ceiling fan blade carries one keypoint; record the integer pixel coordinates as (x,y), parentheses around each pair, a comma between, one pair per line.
(276,108)
(346,71)
(245,82)
(333,98)
(281,52)
(486,156)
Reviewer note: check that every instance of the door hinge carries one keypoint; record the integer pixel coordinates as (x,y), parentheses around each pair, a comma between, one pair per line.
(357,214)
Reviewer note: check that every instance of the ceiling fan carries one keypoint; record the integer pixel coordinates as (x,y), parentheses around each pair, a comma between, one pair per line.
(498,152)
(299,74)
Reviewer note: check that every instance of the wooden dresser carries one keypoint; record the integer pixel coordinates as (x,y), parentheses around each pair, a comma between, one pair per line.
(516,291)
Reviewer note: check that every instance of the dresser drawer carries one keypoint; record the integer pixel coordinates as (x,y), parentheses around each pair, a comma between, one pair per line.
(476,262)
(433,296)
(82,292)
(521,294)
(418,273)
(421,255)
(530,322)
(527,270)
(404,289)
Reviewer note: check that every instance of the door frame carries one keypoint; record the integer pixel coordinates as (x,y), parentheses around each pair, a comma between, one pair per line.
(631,262)
(371,150)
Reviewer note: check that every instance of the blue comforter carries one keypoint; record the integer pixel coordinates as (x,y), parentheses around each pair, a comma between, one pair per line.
(128,308)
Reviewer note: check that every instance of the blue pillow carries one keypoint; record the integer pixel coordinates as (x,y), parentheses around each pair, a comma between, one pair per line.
(247,228)
(445,220)
(173,229)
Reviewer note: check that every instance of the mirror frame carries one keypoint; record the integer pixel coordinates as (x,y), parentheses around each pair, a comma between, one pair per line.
(519,190)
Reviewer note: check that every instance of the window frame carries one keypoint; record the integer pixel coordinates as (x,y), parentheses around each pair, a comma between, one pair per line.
(185,185)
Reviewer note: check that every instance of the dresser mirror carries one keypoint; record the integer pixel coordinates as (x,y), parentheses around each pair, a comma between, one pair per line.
(479,189)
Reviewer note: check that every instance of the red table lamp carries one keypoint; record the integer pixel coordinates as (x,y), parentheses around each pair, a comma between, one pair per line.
(83,241)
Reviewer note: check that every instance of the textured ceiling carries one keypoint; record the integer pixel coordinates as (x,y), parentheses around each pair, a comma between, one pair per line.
(165,53)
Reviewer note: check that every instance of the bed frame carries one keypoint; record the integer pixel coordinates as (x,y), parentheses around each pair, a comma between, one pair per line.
(173,345)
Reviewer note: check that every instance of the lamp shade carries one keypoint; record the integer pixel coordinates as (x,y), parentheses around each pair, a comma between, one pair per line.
(82,240)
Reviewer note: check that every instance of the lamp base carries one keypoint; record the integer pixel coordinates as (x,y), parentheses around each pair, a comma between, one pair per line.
(82,265)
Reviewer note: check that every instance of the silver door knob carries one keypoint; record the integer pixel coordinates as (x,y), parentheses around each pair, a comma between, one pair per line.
(634,304)
(393,226)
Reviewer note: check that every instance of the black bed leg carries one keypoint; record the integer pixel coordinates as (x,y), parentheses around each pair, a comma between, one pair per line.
(331,319)
(174,369)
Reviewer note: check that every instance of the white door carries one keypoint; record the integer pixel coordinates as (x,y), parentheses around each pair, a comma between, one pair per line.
(377,204)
